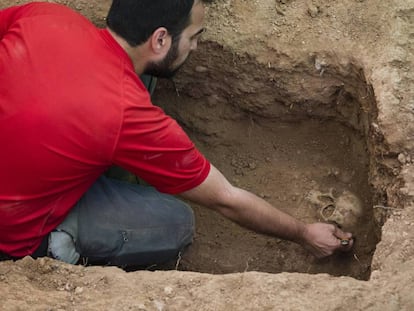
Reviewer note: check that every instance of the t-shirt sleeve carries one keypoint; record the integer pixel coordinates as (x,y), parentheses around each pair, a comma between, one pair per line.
(154,147)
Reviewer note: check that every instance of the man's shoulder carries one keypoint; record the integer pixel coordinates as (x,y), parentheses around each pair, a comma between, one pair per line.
(34,11)
(44,8)
(49,13)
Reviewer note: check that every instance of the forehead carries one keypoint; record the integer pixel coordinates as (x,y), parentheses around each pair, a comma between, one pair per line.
(197,19)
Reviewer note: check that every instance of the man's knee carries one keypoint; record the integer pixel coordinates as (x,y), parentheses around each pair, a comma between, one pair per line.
(156,240)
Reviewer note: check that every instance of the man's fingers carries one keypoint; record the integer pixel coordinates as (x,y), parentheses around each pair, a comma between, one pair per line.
(345,239)
(341,234)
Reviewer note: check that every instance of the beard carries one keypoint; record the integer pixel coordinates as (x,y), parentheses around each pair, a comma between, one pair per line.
(164,68)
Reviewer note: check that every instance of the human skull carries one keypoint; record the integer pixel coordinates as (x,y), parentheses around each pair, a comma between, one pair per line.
(344,210)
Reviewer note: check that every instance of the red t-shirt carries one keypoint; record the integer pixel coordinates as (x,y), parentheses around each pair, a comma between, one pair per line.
(71,105)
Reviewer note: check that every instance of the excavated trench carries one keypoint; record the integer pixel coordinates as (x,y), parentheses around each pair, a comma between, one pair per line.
(299,133)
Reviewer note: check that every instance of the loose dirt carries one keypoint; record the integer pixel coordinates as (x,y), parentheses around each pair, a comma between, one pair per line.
(304,103)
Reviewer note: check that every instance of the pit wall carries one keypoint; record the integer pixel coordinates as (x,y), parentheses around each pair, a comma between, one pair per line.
(320,85)
(380,71)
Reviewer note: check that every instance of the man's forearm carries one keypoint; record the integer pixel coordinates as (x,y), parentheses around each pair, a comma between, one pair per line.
(245,208)
(252,212)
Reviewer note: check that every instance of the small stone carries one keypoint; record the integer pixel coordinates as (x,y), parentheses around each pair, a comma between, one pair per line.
(159,305)
(239,171)
(78,290)
(402,159)
(213,100)
(42,262)
(335,172)
(201,69)
(264,195)
(313,10)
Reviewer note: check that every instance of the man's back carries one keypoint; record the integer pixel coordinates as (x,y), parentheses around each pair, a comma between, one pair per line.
(57,132)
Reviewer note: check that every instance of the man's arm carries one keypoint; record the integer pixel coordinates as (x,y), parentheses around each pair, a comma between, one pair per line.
(254,213)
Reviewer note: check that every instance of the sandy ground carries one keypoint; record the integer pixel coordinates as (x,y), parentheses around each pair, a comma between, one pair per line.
(292,63)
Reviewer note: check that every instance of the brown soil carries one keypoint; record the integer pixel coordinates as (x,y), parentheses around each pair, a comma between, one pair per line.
(283,162)
(290,99)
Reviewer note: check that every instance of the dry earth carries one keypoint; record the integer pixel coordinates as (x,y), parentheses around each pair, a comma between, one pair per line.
(286,97)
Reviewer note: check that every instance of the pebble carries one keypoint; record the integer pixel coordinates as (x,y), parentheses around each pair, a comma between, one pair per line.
(42,262)
(201,69)
(313,10)
(402,159)
(159,305)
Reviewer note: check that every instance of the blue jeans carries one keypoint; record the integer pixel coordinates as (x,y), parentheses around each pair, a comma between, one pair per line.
(123,224)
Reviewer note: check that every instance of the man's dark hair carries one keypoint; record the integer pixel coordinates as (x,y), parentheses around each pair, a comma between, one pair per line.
(136,20)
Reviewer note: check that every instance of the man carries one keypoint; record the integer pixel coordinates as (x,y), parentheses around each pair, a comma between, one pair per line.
(72,105)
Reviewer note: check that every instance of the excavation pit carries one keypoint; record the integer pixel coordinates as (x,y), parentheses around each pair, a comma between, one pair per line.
(300,134)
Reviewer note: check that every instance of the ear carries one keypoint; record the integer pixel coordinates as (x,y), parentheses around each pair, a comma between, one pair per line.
(160,42)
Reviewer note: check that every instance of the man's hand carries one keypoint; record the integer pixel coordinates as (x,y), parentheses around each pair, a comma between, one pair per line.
(324,239)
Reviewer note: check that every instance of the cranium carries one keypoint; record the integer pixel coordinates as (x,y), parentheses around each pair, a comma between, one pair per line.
(344,210)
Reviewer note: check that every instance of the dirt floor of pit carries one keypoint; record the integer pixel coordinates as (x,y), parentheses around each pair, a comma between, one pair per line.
(284,163)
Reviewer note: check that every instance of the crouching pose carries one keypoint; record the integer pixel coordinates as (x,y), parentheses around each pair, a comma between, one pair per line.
(72,104)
